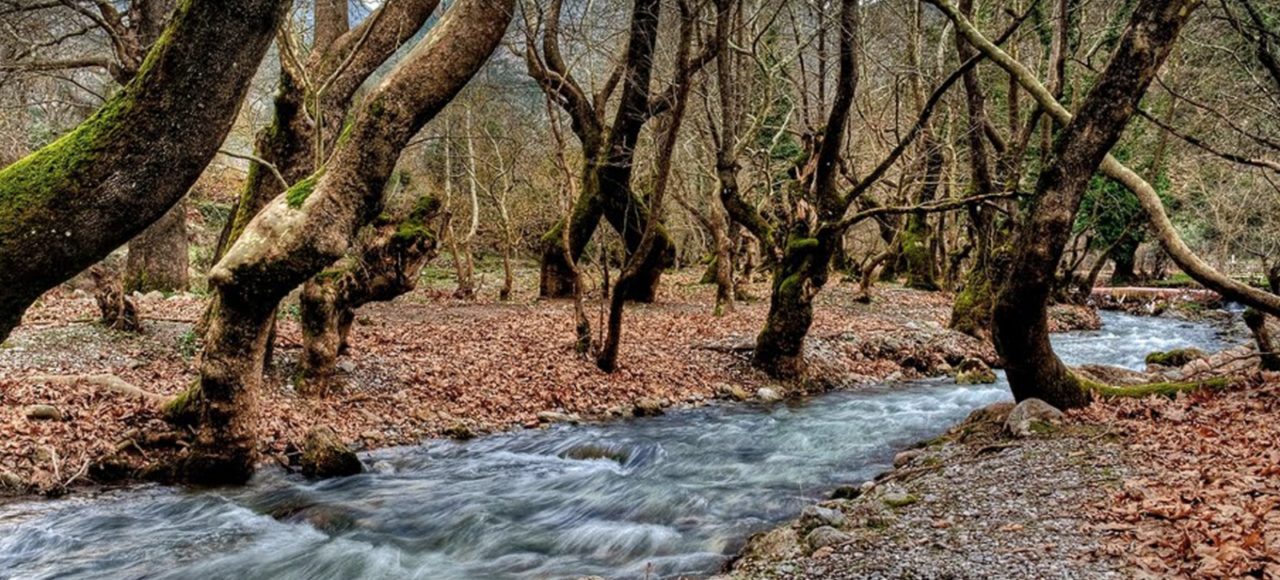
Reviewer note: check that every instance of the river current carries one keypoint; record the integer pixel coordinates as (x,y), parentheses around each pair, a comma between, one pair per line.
(653,497)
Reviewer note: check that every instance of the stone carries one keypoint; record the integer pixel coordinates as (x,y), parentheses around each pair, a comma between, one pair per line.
(768,395)
(897,499)
(906,457)
(972,371)
(735,392)
(647,407)
(557,417)
(826,536)
(10,480)
(847,492)
(325,455)
(817,516)
(1175,358)
(1029,415)
(459,430)
(44,413)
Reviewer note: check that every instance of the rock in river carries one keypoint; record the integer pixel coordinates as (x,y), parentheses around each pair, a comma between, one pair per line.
(325,455)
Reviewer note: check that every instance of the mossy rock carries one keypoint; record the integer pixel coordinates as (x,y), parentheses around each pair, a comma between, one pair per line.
(972,371)
(325,455)
(1175,358)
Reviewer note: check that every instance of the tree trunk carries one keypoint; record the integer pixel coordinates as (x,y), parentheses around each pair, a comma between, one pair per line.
(801,274)
(70,204)
(606,188)
(311,226)
(916,248)
(118,312)
(1124,256)
(157,258)
(1021,332)
(1257,323)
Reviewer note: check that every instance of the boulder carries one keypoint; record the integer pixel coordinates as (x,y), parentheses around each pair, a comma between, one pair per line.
(325,455)
(817,516)
(734,392)
(906,457)
(647,407)
(1031,415)
(826,536)
(1115,376)
(44,413)
(972,371)
(768,395)
(460,431)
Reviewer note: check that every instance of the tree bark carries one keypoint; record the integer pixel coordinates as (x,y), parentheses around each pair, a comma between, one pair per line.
(157,258)
(311,226)
(609,160)
(1021,332)
(68,205)
(385,263)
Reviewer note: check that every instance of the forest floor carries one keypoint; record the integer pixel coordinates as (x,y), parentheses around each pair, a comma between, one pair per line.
(427,365)
(1127,488)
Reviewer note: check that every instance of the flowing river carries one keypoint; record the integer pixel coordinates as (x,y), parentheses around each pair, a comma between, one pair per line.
(655,497)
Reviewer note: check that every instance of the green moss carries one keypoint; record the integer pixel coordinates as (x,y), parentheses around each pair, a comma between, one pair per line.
(60,168)
(798,245)
(899,502)
(298,194)
(1161,389)
(1174,358)
(184,408)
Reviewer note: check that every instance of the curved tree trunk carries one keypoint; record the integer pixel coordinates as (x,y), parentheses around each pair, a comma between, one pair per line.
(68,205)
(386,263)
(1021,332)
(311,226)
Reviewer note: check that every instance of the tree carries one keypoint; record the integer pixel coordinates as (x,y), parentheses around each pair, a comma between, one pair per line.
(310,226)
(608,151)
(1020,315)
(68,205)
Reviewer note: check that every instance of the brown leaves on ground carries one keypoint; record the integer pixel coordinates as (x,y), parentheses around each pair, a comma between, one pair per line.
(1206,503)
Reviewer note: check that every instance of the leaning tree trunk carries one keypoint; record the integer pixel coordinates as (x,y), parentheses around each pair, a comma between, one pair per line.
(311,226)
(385,264)
(157,258)
(1021,330)
(68,205)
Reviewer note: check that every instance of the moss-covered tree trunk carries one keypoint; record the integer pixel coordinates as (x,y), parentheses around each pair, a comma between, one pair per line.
(922,271)
(606,184)
(1125,257)
(312,225)
(386,262)
(68,205)
(1021,329)
(814,234)
(798,278)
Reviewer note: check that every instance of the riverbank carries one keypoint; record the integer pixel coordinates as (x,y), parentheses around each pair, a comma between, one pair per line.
(428,366)
(1185,487)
